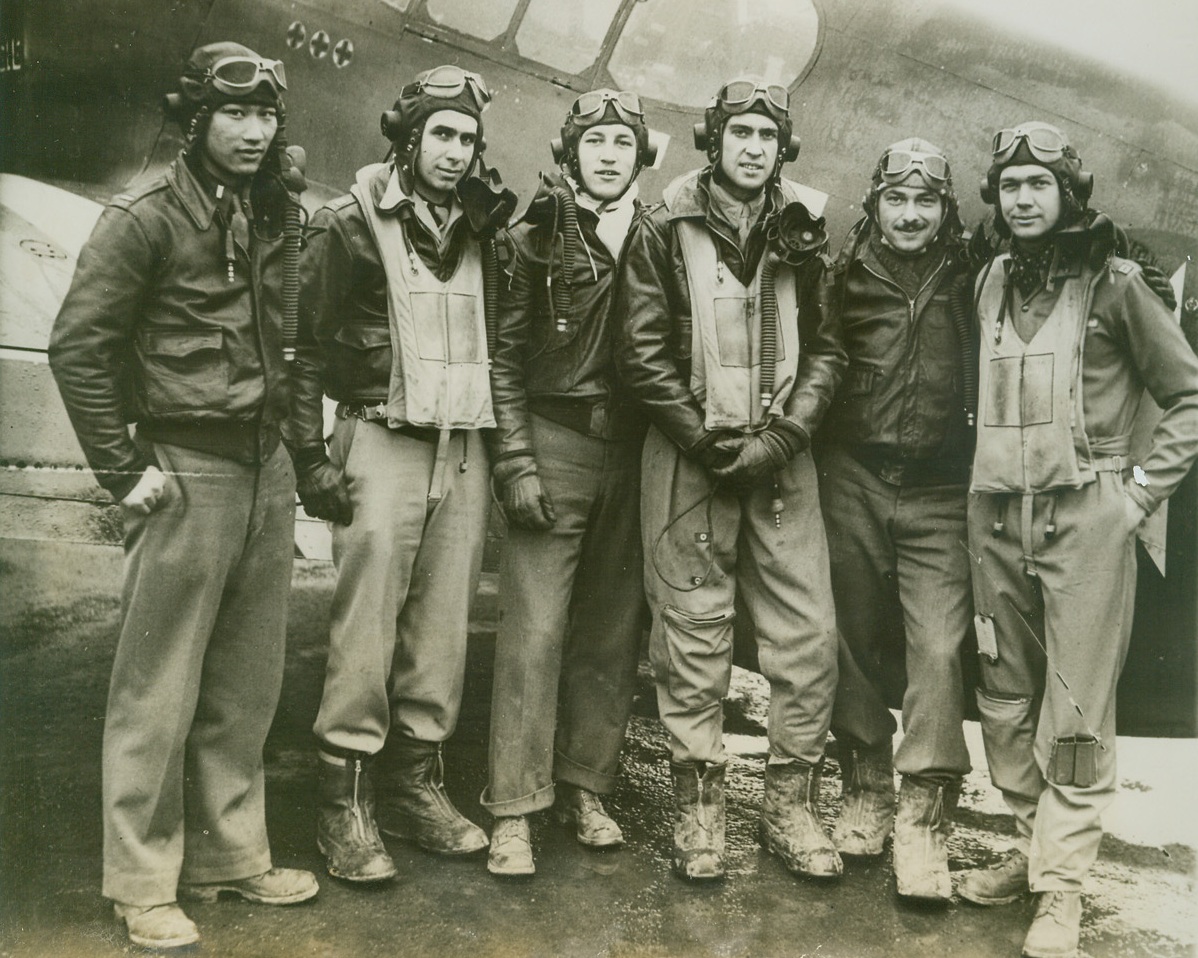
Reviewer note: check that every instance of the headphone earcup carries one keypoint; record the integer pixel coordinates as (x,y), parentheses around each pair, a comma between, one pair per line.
(648,155)
(700,132)
(791,153)
(989,195)
(390,123)
(1085,185)
(558,146)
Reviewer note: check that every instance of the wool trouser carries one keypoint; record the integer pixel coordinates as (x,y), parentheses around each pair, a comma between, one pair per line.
(407,571)
(197,674)
(703,547)
(570,625)
(900,574)
(1057,578)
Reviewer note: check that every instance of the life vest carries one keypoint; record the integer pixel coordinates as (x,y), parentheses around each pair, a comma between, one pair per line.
(439,365)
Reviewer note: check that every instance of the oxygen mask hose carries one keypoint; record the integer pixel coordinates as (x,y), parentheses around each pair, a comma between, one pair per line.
(561,299)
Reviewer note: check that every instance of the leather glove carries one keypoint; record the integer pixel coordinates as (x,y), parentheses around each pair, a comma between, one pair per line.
(321,487)
(717,449)
(762,455)
(526,504)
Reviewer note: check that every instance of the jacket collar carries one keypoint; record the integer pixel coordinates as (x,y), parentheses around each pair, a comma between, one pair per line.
(199,201)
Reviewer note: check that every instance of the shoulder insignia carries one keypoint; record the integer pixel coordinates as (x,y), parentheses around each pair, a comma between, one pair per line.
(1126,268)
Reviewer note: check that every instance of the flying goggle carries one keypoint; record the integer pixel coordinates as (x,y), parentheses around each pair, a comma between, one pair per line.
(593,104)
(897,164)
(1043,142)
(234,76)
(736,96)
(447,82)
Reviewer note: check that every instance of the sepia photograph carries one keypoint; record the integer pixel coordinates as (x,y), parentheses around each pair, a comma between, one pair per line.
(598,478)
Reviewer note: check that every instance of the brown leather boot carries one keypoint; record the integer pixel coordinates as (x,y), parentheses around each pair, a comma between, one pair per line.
(413,803)
(867,810)
(790,825)
(698,821)
(1057,926)
(346,832)
(922,825)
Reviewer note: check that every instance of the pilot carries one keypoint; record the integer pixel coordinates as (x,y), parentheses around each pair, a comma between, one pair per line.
(894,460)
(1070,336)
(174,321)
(566,467)
(728,348)
(393,327)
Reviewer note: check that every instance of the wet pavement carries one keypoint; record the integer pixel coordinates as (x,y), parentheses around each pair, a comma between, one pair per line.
(58,625)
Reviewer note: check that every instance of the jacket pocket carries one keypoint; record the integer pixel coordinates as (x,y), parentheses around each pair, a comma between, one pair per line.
(360,362)
(855,399)
(183,370)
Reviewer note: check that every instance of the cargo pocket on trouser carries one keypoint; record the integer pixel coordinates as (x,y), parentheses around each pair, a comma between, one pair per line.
(1009,732)
(695,657)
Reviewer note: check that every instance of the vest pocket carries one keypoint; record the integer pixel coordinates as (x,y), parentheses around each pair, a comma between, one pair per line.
(183,370)
(447,327)
(1020,391)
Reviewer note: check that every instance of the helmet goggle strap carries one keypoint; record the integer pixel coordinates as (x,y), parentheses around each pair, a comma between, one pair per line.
(897,164)
(234,76)
(737,96)
(1042,142)
(592,105)
(447,82)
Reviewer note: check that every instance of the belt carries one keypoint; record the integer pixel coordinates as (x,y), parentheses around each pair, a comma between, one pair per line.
(598,418)
(377,412)
(896,471)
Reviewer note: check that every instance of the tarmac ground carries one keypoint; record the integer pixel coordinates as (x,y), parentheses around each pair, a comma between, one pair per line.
(58,627)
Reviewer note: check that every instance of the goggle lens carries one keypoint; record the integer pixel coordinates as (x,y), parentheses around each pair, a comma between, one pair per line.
(1044,144)
(446,82)
(900,162)
(594,103)
(242,74)
(741,93)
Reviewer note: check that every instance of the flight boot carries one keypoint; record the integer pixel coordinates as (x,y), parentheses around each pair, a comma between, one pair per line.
(1056,927)
(699,820)
(346,832)
(867,808)
(413,803)
(921,828)
(790,826)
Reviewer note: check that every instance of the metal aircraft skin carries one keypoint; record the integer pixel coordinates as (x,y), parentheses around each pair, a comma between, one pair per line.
(81,87)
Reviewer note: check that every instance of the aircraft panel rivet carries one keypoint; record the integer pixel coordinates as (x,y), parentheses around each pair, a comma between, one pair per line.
(319,45)
(297,33)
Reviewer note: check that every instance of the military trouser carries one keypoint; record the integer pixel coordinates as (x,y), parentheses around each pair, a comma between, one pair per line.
(570,612)
(700,552)
(900,574)
(407,570)
(196,678)
(1057,579)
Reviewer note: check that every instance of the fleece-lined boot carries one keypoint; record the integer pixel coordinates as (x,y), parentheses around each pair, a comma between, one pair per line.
(698,820)
(790,826)
(1000,884)
(867,808)
(922,825)
(413,803)
(346,832)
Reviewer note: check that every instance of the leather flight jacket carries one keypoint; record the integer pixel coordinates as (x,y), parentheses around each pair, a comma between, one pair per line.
(159,329)
(654,352)
(565,374)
